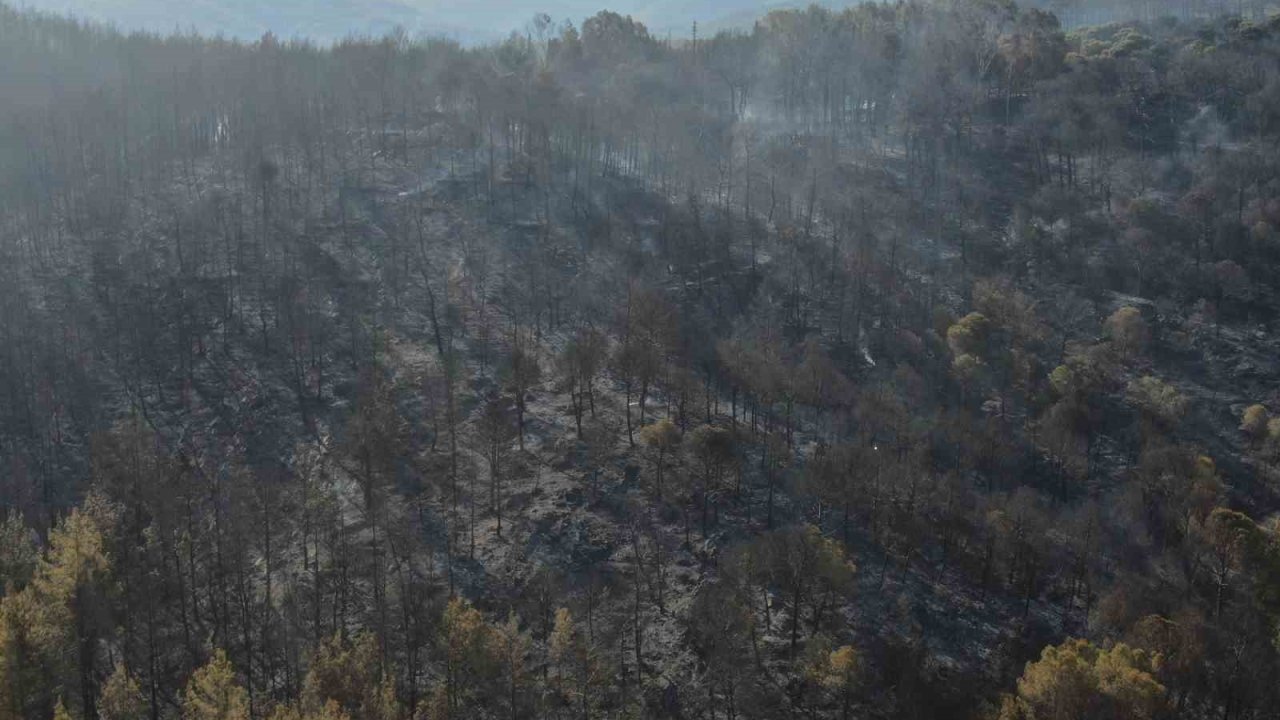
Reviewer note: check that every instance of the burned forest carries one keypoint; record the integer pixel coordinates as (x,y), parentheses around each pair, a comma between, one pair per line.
(907,359)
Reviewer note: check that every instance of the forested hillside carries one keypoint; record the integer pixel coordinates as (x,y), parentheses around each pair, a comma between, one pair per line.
(467,22)
(482,21)
(916,360)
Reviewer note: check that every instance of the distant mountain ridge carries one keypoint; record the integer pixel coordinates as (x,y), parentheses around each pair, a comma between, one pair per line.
(322,20)
(713,16)
(329,20)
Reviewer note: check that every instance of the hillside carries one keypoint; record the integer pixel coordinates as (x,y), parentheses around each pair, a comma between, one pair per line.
(911,360)
(332,20)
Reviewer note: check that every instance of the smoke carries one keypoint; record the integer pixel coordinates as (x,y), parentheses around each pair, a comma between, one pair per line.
(1206,129)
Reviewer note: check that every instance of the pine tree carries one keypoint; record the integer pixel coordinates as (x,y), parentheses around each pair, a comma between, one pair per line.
(577,669)
(838,671)
(213,694)
(1077,679)
(468,651)
(121,698)
(511,646)
(662,437)
(22,692)
(329,711)
(17,553)
(344,671)
(69,592)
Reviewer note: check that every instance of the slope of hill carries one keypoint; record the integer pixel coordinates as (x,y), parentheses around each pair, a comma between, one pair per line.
(912,362)
(322,20)
(470,22)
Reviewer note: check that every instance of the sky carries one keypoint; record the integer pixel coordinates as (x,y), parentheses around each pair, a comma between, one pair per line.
(465,20)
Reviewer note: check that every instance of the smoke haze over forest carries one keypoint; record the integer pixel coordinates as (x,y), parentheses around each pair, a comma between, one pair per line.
(409,360)
(469,21)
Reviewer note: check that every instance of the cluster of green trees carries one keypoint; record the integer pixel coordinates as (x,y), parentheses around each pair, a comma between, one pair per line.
(573,375)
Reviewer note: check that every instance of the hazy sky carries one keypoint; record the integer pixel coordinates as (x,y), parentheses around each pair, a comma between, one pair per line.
(466,19)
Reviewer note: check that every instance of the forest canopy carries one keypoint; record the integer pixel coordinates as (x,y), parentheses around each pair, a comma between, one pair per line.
(911,360)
